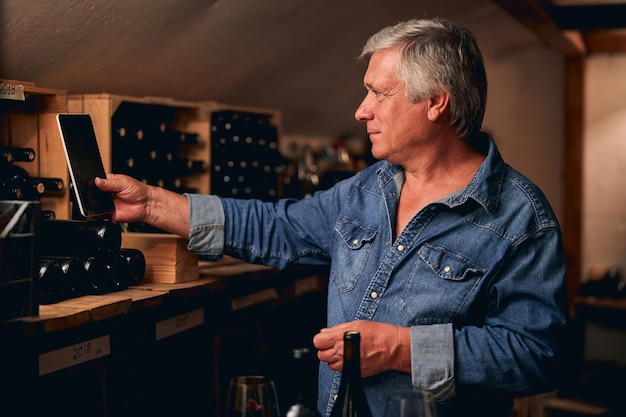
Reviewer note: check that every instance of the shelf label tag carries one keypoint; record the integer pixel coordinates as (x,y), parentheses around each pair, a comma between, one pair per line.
(306,285)
(180,323)
(254,298)
(73,355)
(12,91)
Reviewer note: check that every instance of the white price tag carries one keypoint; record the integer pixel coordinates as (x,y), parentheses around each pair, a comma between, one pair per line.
(73,355)
(12,91)
(180,323)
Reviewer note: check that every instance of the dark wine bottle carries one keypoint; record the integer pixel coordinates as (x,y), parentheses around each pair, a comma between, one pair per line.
(13,154)
(303,405)
(51,184)
(52,284)
(30,189)
(10,191)
(351,400)
(17,173)
(99,273)
(78,237)
(75,275)
(136,261)
(120,272)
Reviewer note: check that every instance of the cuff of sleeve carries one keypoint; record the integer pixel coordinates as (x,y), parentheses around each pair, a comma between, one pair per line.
(432,359)
(206,226)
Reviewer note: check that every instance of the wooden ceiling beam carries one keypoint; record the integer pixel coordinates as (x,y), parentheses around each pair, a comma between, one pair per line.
(534,15)
(572,30)
(605,41)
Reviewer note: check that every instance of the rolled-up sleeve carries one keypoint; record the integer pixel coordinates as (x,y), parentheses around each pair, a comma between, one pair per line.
(206,225)
(432,359)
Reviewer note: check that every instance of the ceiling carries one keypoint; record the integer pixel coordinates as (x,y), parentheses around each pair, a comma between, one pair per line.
(297,56)
(573,27)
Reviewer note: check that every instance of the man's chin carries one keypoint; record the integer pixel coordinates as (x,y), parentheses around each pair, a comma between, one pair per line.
(377,154)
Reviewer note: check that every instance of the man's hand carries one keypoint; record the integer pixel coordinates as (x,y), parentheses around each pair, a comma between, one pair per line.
(384,346)
(138,202)
(130,197)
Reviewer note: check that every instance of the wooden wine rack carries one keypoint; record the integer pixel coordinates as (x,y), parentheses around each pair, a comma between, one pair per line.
(31,123)
(245,157)
(189,117)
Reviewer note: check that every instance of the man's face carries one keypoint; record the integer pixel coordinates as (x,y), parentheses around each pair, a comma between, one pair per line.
(394,125)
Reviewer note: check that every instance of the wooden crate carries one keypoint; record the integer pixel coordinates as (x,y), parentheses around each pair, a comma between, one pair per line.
(31,123)
(245,157)
(167,257)
(189,117)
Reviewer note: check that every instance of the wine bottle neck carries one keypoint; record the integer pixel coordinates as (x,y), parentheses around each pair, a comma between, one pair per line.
(352,354)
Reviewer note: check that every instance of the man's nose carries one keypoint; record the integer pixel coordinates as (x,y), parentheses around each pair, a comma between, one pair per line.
(362,112)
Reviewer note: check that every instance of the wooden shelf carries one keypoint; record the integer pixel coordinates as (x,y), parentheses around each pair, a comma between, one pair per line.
(560,407)
(133,352)
(214,277)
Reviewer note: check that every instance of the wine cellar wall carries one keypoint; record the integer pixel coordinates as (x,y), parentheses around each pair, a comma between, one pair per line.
(146,347)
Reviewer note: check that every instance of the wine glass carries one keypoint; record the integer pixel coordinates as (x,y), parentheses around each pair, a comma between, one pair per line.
(410,403)
(252,396)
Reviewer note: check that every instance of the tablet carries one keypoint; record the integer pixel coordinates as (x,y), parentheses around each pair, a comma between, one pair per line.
(85,164)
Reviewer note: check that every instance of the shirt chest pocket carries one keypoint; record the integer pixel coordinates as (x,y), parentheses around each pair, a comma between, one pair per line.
(440,283)
(352,251)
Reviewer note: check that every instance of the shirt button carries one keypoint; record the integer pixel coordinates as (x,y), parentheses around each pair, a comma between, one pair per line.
(335,397)
(447,269)
(400,248)
(432,208)
(374,294)
(355,241)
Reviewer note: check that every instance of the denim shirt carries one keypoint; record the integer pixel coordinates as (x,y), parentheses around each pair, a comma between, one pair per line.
(479,276)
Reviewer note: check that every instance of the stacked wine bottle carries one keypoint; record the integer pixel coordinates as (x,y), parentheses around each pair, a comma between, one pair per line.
(85,257)
(245,159)
(17,184)
(19,190)
(148,144)
(145,146)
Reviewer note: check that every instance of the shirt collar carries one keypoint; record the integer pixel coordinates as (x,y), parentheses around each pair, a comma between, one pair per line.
(485,186)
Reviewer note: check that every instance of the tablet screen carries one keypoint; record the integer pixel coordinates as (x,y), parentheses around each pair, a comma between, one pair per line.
(85,164)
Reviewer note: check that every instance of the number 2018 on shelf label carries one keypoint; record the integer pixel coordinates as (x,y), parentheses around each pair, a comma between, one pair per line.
(73,355)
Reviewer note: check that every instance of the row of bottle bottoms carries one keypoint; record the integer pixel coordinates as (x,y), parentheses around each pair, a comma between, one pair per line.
(155,154)
(79,258)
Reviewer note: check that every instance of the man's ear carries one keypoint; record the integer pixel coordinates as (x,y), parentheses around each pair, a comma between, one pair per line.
(438,105)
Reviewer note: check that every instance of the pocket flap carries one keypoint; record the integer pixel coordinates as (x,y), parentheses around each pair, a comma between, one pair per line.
(449,265)
(354,234)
